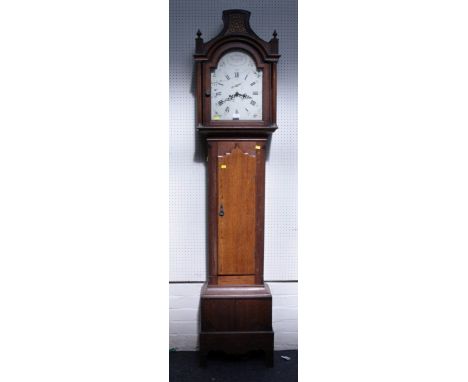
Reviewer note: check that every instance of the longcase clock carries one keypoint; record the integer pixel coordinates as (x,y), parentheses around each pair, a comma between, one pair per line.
(236,114)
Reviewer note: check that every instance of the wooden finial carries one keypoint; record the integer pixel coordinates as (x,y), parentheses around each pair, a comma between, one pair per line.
(198,42)
(275,34)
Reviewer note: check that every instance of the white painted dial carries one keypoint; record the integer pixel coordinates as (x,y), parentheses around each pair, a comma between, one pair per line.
(236,88)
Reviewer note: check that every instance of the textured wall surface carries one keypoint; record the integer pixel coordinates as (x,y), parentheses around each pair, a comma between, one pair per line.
(188,244)
(188,231)
(184,311)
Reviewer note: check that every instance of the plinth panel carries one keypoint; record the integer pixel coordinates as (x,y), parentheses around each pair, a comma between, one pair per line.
(236,319)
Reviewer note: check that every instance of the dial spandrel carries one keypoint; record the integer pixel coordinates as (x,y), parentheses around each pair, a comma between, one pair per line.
(236,88)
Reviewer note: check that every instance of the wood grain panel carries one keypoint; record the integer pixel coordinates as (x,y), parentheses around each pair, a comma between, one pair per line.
(212,212)
(237,196)
(253,314)
(236,280)
(218,315)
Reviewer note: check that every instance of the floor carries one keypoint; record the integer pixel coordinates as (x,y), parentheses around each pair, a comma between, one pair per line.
(184,367)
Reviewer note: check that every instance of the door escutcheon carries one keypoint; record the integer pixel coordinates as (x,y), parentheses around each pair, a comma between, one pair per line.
(221,211)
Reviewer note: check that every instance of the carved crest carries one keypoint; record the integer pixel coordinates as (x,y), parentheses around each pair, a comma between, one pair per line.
(236,23)
(236,26)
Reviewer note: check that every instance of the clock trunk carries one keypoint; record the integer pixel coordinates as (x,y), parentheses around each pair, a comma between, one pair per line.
(236,193)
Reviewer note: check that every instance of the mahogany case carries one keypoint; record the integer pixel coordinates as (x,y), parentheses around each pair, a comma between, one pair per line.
(236,305)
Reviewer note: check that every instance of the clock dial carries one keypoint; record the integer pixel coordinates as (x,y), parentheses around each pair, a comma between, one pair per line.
(236,88)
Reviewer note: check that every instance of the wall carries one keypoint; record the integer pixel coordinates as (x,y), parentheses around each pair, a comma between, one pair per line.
(187,182)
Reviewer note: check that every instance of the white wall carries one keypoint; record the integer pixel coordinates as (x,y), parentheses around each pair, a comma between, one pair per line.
(184,302)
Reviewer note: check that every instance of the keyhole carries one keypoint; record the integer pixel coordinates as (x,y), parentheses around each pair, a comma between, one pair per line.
(221,211)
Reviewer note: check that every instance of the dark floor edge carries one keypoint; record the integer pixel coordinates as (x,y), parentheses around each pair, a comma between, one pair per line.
(202,282)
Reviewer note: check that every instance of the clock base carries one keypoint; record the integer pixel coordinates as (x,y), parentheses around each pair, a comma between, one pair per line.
(236,343)
(236,319)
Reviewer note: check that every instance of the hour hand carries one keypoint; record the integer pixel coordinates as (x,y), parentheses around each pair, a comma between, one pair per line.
(231,97)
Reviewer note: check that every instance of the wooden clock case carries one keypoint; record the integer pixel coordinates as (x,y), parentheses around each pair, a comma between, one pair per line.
(236,304)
